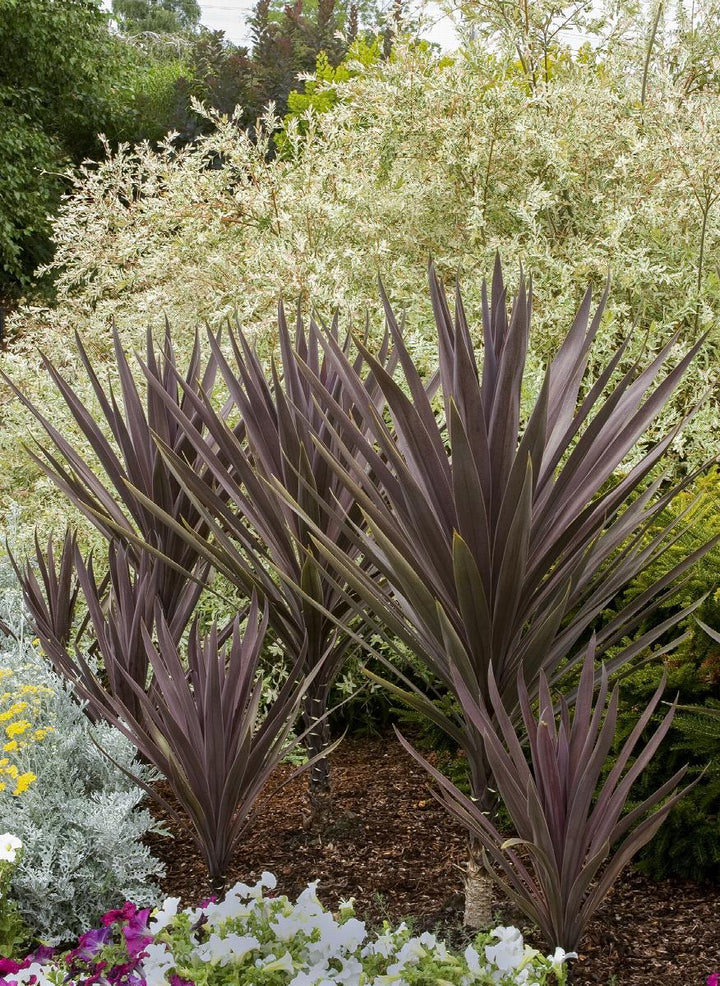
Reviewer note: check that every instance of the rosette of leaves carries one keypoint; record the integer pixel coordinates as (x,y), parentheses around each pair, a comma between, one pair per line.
(501,539)
(248,530)
(200,721)
(560,864)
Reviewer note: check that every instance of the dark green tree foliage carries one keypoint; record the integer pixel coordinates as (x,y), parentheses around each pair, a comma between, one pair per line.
(60,77)
(160,16)
(287,44)
(688,845)
(224,72)
(167,77)
(161,79)
(25,202)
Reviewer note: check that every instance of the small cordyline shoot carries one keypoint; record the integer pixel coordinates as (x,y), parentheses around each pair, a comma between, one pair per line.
(249,531)
(134,470)
(120,609)
(500,541)
(572,838)
(51,594)
(201,725)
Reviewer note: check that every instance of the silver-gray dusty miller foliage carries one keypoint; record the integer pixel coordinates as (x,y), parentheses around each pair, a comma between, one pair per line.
(80,821)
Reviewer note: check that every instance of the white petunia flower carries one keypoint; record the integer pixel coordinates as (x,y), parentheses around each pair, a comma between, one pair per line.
(509,952)
(410,953)
(34,971)
(560,956)
(268,881)
(316,975)
(351,972)
(283,964)
(162,916)
(231,907)
(384,945)
(220,951)
(472,957)
(9,845)
(156,964)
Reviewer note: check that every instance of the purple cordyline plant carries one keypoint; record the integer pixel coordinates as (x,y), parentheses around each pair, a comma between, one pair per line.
(200,723)
(189,490)
(132,469)
(249,532)
(147,563)
(117,617)
(572,839)
(491,541)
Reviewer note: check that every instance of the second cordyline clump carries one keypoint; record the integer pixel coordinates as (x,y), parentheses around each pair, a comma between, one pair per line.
(489,543)
(496,541)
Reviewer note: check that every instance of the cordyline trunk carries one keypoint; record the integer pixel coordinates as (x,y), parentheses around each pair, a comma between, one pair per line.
(479,892)
(479,885)
(316,740)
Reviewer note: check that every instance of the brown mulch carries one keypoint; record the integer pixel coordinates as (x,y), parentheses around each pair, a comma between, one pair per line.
(395,850)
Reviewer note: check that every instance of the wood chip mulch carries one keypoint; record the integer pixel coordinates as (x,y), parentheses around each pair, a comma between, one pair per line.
(396,851)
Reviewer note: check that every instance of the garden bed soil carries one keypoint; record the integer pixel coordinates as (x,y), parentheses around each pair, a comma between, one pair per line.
(396,851)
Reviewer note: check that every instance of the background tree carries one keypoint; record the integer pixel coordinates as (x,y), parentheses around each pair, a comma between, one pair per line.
(61,81)
(161,16)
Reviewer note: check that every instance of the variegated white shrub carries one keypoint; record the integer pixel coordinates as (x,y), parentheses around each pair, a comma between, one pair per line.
(451,156)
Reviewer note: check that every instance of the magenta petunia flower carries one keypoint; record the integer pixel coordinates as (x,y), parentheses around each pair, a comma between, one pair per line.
(136,932)
(89,944)
(11,966)
(97,974)
(713,980)
(125,913)
(42,953)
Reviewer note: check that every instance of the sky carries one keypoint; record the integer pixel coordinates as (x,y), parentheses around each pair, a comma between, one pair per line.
(229,16)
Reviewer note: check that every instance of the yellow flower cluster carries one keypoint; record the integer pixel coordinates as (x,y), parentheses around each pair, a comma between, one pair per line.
(20,710)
